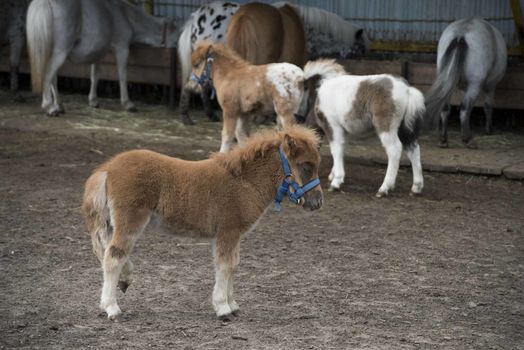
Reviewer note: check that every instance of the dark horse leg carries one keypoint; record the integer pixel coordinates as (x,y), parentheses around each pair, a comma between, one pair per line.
(466,106)
(488,110)
(206,101)
(443,125)
(16,48)
(185,94)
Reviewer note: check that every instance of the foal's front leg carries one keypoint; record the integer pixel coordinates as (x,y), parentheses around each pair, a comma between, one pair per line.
(228,131)
(226,259)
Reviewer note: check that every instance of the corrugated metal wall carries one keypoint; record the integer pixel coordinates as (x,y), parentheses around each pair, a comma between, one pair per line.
(389,20)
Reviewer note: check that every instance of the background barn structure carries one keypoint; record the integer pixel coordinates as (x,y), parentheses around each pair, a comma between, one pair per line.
(404,35)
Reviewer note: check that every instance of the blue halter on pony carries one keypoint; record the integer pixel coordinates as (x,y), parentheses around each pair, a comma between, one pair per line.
(289,181)
(206,76)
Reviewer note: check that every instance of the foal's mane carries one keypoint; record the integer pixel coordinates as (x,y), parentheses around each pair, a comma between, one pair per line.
(262,143)
(218,50)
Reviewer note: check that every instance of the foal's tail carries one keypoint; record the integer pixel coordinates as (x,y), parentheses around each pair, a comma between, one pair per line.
(96,213)
(414,112)
(39,28)
(448,75)
(184,51)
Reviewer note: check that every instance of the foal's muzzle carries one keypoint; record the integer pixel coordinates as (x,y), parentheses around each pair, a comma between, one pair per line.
(313,200)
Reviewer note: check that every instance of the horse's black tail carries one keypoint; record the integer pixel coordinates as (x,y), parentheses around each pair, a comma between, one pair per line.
(448,75)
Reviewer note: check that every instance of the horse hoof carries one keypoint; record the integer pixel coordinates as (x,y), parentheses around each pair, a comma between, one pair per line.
(443,144)
(94,104)
(333,189)
(225,318)
(131,109)
(186,119)
(381,194)
(53,113)
(415,194)
(123,285)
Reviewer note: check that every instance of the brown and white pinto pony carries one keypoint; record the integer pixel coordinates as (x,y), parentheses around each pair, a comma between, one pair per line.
(221,198)
(244,89)
(348,105)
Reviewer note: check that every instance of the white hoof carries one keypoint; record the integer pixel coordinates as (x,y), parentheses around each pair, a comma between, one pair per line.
(113,311)
(416,189)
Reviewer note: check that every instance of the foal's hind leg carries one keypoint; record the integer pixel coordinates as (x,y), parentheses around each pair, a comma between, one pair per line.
(226,259)
(127,227)
(413,153)
(242,130)
(393,148)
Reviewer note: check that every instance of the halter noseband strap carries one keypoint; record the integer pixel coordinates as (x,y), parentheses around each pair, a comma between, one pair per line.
(289,181)
(206,76)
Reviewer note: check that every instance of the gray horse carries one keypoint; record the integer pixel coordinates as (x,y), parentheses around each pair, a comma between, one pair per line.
(471,53)
(84,31)
(12,23)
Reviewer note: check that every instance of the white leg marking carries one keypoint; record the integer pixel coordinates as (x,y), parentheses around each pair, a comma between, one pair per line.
(220,304)
(337,152)
(393,148)
(413,154)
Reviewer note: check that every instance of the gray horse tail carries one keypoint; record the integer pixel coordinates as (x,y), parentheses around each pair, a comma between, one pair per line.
(184,51)
(448,77)
(39,29)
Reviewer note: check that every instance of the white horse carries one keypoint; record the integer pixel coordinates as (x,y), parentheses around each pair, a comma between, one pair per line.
(83,31)
(471,54)
(327,34)
(344,104)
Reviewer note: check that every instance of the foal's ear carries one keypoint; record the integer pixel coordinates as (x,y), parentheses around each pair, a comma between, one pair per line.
(291,144)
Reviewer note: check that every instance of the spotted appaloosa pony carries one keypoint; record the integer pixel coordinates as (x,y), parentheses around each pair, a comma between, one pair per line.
(12,33)
(244,89)
(221,198)
(350,104)
(471,54)
(326,34)
(83,31)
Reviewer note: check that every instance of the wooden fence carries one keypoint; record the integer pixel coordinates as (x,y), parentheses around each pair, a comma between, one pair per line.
(149,65)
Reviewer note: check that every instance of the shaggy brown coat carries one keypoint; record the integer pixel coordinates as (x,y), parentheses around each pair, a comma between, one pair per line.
(221,197)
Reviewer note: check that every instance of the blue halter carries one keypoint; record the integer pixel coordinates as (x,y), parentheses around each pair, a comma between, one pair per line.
(288,181)
(206,76)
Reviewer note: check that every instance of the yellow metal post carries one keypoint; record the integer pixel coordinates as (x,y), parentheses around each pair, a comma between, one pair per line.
(519,24)
(149,6)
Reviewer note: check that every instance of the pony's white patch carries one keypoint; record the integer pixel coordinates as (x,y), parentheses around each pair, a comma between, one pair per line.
(285,77)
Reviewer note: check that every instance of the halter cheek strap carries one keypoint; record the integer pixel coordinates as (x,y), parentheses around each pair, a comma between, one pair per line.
(299,192)
(206,76)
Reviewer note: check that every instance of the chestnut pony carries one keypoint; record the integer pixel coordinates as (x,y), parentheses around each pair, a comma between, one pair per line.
(244,89)
(221,198)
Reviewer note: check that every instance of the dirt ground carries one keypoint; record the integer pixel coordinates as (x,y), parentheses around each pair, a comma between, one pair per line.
(443,270)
